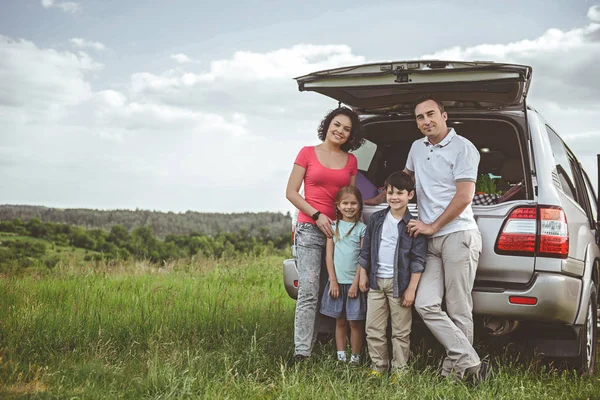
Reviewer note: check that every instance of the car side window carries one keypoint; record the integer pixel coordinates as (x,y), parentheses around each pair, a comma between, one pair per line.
(582,192)
(591,196)
(563,165)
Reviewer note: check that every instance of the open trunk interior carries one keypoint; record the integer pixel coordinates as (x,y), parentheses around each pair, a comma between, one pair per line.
(501,149)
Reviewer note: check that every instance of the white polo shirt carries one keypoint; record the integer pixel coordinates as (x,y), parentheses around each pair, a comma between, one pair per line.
(437,168)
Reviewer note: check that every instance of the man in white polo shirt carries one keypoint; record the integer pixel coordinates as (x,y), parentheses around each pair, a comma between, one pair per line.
(444,166)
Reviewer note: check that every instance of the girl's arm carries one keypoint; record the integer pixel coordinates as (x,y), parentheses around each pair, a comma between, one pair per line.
(292,193)
(334,288)
(353,291)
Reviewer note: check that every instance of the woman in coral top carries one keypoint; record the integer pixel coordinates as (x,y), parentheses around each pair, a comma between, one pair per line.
(323,169)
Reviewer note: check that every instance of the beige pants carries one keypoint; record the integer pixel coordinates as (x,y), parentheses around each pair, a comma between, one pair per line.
(450,268)
(381,304)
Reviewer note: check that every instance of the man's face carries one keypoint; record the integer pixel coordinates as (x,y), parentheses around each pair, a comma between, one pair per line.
(430,121)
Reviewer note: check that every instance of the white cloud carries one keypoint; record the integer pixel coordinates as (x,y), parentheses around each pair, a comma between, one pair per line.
(87,44)
(35,81)
(248,66)
(66,6)
(181,58)
(594,13)
(144,143)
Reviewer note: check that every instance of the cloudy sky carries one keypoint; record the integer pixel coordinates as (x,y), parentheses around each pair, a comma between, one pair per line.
(178,105)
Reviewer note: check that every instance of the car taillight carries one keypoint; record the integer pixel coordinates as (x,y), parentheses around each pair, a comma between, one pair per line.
(554,233)
(518,234)
(530,231)
(295,283)
(293,233)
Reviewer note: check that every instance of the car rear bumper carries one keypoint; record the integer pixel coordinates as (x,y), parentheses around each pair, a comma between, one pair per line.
(290,278)
(558,298)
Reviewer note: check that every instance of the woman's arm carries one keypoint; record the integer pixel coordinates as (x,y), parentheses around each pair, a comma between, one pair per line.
(292,193)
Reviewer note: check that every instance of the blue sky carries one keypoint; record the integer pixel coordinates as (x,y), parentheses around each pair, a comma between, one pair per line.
(177,105)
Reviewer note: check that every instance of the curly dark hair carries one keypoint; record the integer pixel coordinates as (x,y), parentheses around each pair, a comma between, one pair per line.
(355,140)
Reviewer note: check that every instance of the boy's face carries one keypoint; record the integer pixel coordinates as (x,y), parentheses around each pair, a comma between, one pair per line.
(398,199)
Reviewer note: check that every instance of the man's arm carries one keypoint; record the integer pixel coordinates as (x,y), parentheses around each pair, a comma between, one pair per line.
(377,200)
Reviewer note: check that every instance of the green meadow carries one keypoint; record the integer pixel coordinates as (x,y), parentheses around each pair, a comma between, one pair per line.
(206,328)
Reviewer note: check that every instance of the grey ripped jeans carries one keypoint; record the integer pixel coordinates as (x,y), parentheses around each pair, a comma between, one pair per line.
(310,255)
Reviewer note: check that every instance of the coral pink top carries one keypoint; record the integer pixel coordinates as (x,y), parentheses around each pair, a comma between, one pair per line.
(321,184)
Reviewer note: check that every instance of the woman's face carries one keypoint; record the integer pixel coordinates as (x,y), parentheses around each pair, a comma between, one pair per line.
(339,130)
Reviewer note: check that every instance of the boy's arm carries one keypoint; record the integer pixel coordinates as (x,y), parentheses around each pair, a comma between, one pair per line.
(418,250)
(364,260)
(408,298)
(334,289)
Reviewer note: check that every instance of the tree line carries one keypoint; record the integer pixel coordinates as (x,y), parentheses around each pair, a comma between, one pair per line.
(161,224)
(119,244)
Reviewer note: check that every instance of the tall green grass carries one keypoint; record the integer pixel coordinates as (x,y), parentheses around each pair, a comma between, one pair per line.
(203,329)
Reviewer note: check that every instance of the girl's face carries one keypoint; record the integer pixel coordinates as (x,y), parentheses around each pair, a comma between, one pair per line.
(339,130)
(349,208)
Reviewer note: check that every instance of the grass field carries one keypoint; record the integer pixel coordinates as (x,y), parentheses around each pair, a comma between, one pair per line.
(204,329)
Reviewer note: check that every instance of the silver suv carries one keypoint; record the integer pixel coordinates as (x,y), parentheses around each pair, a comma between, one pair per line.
(535,205)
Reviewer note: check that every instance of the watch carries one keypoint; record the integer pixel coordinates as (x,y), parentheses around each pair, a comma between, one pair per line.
(315,216)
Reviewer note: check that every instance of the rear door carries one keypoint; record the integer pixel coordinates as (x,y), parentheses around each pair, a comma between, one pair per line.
(394,86)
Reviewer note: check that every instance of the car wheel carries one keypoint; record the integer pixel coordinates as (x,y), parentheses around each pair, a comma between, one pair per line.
(585,363)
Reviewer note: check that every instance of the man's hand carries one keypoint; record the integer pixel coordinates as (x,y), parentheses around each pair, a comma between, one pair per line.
(363,282)
(334,290)
(416,228)
(408,298)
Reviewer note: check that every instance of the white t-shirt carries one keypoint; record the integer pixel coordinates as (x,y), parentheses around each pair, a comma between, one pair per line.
(387,247)
(437,168)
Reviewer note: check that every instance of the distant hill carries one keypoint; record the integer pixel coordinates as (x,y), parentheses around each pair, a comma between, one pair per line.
(161,223)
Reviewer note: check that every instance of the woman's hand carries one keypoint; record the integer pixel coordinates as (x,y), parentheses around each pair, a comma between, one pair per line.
(334,290)
(324,224)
